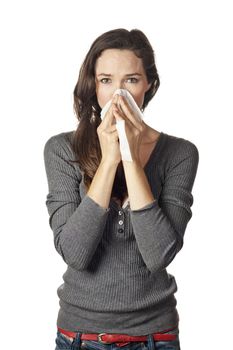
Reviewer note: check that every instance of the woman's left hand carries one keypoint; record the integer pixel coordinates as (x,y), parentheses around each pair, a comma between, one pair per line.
(133,127)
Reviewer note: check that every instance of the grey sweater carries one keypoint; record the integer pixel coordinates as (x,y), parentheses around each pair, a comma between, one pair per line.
(116,278)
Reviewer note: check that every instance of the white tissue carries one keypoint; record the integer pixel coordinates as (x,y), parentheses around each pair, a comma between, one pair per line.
(120,124)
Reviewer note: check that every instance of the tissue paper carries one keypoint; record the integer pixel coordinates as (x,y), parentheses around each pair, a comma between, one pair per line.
(120,124)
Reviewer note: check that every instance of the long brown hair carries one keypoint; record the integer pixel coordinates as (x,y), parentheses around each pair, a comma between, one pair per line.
(85,141)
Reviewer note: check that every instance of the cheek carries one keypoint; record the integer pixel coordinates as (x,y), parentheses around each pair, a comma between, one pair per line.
(138,93)
(103,96)
(139,98)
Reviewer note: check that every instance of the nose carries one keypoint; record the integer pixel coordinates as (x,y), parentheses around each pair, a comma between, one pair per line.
(120,85)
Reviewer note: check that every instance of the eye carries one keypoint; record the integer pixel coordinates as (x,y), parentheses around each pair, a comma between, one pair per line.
(132,80)
(105,80)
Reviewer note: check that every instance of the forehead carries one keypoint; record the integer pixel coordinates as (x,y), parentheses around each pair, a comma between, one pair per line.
(116,60)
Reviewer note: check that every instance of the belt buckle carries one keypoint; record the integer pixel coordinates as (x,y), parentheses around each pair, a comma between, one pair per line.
(101,340)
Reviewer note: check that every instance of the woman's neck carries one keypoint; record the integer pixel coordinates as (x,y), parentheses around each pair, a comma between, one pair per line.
(149,136)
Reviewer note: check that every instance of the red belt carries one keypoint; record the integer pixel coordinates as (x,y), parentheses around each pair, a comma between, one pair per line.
(106,338)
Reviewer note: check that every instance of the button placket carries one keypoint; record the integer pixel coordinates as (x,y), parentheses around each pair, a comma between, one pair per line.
(120,221)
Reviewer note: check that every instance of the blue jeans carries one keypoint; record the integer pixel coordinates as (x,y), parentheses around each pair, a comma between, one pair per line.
(63,343)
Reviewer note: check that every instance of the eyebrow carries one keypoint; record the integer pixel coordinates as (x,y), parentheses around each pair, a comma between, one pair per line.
(126,75)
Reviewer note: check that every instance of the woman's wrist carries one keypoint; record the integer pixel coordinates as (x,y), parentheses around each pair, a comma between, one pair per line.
(134,164)
(137,184)
(101,186)
(108,164)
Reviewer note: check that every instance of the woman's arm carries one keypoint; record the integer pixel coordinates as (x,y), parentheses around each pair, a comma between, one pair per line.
(136,179)
(134,172)
(77,225)
(158,226)
(102,183)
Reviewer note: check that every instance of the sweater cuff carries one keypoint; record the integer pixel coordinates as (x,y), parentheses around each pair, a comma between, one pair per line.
(91,204)
(146,207)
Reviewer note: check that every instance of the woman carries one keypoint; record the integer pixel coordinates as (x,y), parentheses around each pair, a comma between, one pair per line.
(118,223)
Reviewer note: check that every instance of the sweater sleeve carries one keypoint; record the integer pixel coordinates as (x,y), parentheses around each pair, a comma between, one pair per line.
(77,224)
(159,227)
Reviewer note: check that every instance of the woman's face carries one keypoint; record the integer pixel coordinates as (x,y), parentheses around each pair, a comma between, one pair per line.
(120,69)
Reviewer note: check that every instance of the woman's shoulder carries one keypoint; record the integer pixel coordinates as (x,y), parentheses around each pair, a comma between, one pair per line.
(61,138)
(177,151)
(179,146)
(60,141)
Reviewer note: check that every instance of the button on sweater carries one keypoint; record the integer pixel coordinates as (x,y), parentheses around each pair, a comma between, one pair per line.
(116,278)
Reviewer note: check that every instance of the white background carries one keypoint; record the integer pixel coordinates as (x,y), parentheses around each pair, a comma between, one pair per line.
(42,46)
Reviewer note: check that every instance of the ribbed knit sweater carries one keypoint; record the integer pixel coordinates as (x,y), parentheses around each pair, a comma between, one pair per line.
(116,278)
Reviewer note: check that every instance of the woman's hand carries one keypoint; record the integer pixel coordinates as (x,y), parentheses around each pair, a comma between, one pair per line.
(138,187)
(133,127)
(108,137)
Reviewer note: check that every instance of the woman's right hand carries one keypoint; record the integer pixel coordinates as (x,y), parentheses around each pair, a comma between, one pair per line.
(108,137)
